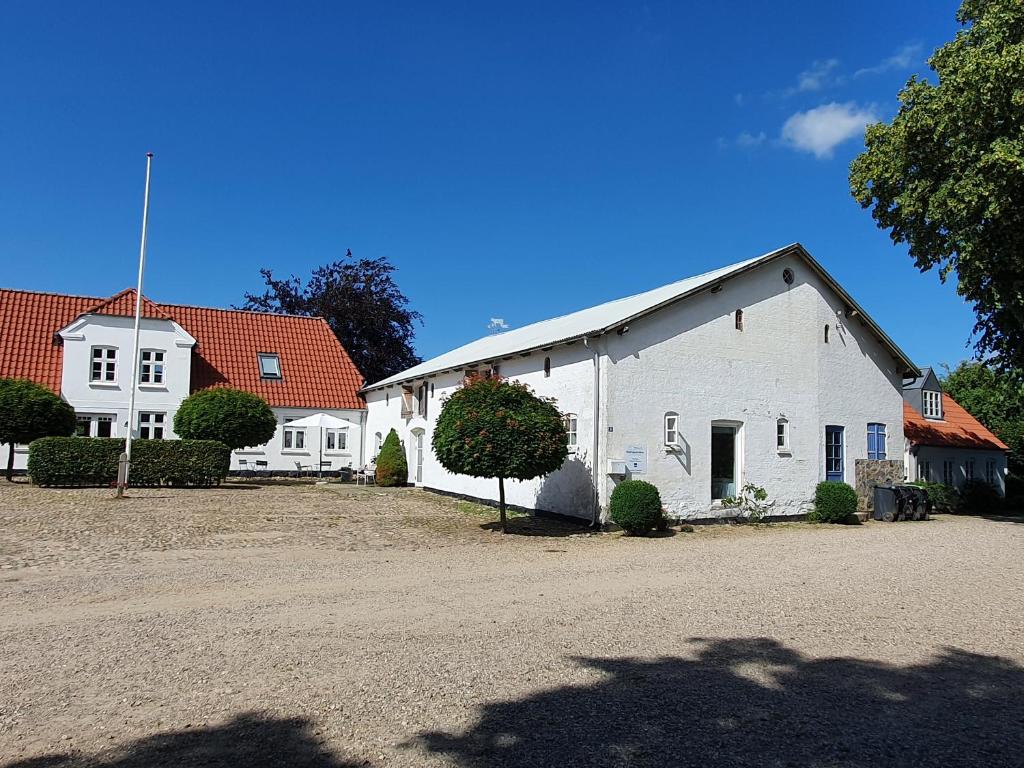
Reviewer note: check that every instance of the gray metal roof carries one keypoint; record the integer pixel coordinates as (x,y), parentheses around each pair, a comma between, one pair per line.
(603,318)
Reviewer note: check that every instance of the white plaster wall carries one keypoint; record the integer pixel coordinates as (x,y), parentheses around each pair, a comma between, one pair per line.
(281,459)
(691,359)
(959,456)
(568,491)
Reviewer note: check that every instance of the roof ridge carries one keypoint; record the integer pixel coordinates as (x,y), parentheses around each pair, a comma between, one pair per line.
(53,293)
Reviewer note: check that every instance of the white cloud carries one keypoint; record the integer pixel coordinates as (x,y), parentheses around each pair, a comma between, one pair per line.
(902,59)
(497,325)
(747,139)
(820,130)
(817,77)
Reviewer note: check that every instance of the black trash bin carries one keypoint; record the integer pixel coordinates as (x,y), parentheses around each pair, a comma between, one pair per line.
(886,507)
(916,504)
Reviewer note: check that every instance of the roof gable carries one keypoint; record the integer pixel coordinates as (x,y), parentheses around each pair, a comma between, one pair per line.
(603,318)
(957,429)
(316,370)
(927,380)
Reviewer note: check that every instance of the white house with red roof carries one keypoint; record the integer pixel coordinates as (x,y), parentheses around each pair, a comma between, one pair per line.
(945,443)
(81,348)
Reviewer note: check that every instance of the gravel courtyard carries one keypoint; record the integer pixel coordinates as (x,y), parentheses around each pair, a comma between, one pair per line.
(304,625)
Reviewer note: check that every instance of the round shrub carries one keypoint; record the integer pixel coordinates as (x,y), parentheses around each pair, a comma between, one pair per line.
(230,416)
(636,506)
(29,411)
(978,497)
(833,503)
(392,466)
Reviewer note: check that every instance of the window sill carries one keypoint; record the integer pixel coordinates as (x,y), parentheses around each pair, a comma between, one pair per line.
(105,384)
(249,453)
(293,452)
(785,452)
(338,453)
(154,387)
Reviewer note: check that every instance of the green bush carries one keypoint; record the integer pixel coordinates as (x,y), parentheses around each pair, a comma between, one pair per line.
(636,506)
(943,497)
(85,461)
(392,466)
(29,411)
(230,416)
(833,503)
(978,497)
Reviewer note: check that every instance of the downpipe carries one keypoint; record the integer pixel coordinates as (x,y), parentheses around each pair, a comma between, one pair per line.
(595,520)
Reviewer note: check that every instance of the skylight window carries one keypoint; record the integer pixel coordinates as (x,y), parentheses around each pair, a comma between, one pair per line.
(270,366)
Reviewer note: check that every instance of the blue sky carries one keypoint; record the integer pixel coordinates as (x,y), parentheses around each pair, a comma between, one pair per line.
(515,160)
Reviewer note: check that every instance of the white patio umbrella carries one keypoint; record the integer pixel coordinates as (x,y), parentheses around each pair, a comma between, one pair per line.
(323,421)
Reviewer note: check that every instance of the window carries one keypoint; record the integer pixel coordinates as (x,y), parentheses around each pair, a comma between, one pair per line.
(104,364)
(570,430)
(378,441)
(547,367)
(294,438)
(94,425)
(826,333)
(782,435)
(151,366)
(151,426)
(739,319)
(969,470)
(337,439)
(932,402)
(671,430)
(270,365)
(947,472)
(835,453)
(990,471)
(787,276)
(421,400)
(924,471)
(876,441)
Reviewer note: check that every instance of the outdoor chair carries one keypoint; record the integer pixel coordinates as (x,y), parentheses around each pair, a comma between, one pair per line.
(366,475)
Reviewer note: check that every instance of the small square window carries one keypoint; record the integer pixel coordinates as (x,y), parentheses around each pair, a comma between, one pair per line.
(270,366)
(151,426)
(104,365)
(151,366)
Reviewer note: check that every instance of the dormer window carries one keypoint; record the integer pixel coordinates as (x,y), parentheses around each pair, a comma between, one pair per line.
(270,365)
(932,403)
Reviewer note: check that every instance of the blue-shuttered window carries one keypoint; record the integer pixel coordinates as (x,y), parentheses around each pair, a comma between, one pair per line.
(876,441)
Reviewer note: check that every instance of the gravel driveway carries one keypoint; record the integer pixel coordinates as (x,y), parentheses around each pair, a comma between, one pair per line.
(332,626)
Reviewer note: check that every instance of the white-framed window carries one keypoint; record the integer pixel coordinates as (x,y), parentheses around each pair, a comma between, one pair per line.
(782,435)
(990,471)
(293,438)
(151,425)
(932,403)
(948,468)
(671,431)
(570,431)
(969,469)
(104,365)
(94,425)
(151,366)
(378,441)
(876,442)
(270,365)
(421,400)
(924,471)
(337,439)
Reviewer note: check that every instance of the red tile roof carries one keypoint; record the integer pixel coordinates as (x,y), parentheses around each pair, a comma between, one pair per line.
(958,429)
(316,370)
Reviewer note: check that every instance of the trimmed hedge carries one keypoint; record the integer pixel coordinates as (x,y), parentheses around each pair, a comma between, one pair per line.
(943,498)
(84,461)
(978,498)
(833,503)
(635,506)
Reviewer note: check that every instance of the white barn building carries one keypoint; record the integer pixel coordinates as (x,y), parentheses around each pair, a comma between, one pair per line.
(765,371)
(81,348)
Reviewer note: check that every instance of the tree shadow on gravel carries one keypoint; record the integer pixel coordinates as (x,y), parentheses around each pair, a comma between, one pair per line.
(248,740)
(757,703)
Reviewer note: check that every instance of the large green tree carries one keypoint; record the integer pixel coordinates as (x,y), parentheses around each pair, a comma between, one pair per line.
(499,429)
(993,397)
(361,303)
(29,411)
(946,176)
(230,416)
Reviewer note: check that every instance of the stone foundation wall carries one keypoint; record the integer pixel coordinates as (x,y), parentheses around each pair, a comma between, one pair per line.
(871,473)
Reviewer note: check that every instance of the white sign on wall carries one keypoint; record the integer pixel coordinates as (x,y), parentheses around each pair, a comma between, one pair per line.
(636,459)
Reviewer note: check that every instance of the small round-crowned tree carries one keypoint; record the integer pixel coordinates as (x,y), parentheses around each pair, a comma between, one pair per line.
(392,466)
(230,416)
(499,429)
(635,505)
(29,411)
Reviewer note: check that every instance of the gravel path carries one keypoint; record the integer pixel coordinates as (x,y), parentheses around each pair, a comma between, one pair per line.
(332,626)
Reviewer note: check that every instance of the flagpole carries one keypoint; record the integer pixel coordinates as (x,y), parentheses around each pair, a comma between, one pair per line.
(126,458)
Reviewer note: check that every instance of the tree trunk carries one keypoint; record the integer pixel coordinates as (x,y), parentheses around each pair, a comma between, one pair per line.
(501,503)
(10,462)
